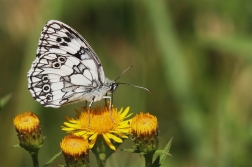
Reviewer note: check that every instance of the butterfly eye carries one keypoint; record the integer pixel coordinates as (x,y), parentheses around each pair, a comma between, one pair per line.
(62,59)
(56,65)
(49,97)
(45,79)
(46,88)
(113,86)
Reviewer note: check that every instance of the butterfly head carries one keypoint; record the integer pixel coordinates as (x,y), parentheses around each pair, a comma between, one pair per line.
(113,87)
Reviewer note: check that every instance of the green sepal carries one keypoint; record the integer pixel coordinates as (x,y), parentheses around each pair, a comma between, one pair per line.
(40,146)
(130,150)
(53,158)
(62,165)
(15,146)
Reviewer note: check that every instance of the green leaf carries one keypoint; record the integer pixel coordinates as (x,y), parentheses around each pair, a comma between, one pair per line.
(53,158)
(4,100)
(15,146)
(159,152)
(167,149)
(156,163)
(163,154)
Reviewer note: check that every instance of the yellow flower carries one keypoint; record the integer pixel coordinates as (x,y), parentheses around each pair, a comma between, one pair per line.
(144,128)
(101,124)
(26,122)
(144,124)
(75,150)
(28,128)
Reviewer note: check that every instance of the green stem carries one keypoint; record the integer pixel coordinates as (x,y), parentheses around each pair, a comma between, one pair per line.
(148,159)
(34,156)
(101,151)
(101,160)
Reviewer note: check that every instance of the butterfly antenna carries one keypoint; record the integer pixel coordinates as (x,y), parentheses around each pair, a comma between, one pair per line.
(135,86)
(124,72)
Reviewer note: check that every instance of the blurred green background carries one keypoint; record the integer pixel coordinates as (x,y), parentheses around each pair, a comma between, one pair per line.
(195,56)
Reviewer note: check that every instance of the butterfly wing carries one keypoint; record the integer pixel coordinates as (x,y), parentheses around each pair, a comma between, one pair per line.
(66,68)
(58,37)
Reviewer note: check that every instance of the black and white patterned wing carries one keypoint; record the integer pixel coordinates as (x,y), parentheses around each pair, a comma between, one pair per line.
(57,37)
(66,68)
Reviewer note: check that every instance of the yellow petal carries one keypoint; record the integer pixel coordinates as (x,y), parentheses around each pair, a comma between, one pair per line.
(80,133)
(92,140)
(121,130)
(126,122)
(107,140)
(67,129)
(73,121)
(86,136)
(121,135)
(124,113)
(93,136)
(115,138)
(71,125)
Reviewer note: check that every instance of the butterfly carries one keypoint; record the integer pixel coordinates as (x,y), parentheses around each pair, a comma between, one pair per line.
(67,70)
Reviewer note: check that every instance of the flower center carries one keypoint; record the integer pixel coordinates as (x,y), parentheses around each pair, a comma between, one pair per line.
(144,124)
(27,121)
(74,145)
(100,121)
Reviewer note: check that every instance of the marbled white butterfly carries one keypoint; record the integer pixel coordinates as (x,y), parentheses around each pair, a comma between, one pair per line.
(66,69)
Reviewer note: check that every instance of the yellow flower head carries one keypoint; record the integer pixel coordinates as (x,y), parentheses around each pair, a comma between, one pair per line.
(28,128)
(26,122)
(144,128)
(75,150)
(102,124)
(144,124)
(74,145)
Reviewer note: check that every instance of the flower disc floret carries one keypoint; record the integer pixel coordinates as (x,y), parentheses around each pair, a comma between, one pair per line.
(75,150)
(28,130)
(74,145)
(27,121)
(144,124)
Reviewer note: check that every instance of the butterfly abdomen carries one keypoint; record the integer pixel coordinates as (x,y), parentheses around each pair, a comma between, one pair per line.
(97,93)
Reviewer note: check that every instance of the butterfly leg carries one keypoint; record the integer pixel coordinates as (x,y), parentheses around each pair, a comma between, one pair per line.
(89,106)
(106,100)
(86,104)
(110,104)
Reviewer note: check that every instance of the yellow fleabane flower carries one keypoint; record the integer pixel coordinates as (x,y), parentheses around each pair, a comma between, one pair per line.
(101,123)
(144,125)
(28,130)
(75,150)
(144,128)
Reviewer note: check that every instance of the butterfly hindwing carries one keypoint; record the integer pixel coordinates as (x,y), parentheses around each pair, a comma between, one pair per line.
(57,79)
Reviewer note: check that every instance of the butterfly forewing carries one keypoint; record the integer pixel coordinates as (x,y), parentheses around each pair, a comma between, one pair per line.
(66,68)
(57,37)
